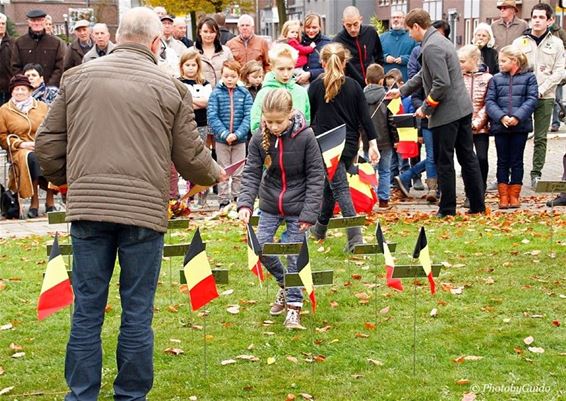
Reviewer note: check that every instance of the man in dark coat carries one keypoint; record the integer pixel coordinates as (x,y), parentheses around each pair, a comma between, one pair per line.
(80,46)
(449,113)
(37,47)
(363,43)
(225,34)
(5,55)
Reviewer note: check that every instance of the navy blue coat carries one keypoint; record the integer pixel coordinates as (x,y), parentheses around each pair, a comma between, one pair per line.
(313,64)
(229,108)
(514,96)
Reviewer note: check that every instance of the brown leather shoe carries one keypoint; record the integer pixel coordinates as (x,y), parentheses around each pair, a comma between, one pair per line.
(514,196)
(503,190)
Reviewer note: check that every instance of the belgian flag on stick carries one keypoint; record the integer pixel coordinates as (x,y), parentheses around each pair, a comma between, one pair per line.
(395,106)
(332,144)
(389,262)
(408,135)
(200,281)
(56,291)
(254,251)
(305,273)
(421,252)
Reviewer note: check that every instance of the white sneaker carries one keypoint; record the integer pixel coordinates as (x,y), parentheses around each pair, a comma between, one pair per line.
(293,319)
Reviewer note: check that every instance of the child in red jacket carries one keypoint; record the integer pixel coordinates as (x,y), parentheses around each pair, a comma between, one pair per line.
(291,34)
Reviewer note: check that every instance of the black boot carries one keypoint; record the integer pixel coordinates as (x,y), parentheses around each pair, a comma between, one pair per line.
(354,238)
(318,231)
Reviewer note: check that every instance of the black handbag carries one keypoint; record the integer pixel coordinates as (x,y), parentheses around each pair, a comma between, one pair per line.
(9,203)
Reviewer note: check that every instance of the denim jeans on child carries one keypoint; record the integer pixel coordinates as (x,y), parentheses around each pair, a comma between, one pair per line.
(426,164)
(336,191)
(95,245)
(268,225)
(510,152)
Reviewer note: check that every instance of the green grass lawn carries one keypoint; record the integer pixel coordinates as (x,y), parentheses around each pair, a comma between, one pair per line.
(511,275)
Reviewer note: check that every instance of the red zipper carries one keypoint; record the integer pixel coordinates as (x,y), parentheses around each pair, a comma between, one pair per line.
(283,177)
(231,96)
(361,59)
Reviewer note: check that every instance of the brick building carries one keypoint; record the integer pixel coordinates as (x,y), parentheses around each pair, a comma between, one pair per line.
(63,12)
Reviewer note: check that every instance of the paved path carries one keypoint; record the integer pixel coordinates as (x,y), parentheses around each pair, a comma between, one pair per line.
(552,171)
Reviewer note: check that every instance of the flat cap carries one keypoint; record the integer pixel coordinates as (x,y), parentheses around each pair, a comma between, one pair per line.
(82,23)
(36,13)
(168,17)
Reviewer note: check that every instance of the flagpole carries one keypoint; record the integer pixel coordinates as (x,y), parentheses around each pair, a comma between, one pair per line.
(415,325)
(205,314)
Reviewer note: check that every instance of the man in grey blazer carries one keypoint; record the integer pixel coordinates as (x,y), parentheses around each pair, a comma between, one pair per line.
(449,111)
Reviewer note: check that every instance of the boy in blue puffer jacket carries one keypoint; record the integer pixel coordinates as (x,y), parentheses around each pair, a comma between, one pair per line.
(511,99)
(228,116)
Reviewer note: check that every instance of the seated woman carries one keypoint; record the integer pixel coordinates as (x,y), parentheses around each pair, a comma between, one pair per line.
(41,92)
(19,121)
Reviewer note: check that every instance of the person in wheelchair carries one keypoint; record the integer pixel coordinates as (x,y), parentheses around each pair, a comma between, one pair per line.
(19,120)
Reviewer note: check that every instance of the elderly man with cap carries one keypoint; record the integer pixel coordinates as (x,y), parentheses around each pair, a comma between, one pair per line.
(38,47)
(80,46)
(168,39)
(5,55)
(509,27)
(102,45)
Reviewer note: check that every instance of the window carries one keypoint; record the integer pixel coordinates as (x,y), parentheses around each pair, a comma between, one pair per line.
(467,31)
(434,8)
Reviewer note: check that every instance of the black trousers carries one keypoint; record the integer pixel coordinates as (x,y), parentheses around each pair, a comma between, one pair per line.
(481,144)
(457,136)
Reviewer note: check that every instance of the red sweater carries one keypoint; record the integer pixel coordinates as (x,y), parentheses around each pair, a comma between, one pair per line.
(304,51)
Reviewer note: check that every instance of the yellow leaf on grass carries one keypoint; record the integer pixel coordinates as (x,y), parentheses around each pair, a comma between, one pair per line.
(375,362)
(270,360)
(529,340)
(307,396)
(228,362)
(174,351)
(292,359)
(6,390)
(536,350)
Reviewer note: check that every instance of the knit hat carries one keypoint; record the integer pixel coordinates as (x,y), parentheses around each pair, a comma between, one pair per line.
(507,3)
(19,80)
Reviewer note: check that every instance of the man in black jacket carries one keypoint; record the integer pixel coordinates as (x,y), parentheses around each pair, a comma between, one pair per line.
(5,55)
(363,43)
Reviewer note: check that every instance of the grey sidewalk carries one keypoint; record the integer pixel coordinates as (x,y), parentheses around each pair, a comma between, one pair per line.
(552,171)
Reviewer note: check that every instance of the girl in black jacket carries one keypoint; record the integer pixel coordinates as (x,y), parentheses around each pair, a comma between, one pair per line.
(285,168)
(335,100)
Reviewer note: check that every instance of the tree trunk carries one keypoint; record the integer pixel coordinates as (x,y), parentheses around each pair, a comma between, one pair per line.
(281,12)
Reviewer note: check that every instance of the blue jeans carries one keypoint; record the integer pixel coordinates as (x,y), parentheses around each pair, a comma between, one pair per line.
(384,174)
(424,165)
(510,152)
(336,191)
(267,227)
(139,251)
(398,165)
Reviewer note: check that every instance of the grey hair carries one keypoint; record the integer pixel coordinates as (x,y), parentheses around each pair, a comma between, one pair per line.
(101,25)
(3,18)
(179,21)
(139,25)
(246,18)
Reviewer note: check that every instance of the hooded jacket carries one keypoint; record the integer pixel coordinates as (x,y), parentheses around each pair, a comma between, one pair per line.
(294,182)
(228,112)
(512,95)
(111,136)
(476,84)
(365,50)
(382,119)
(298,93)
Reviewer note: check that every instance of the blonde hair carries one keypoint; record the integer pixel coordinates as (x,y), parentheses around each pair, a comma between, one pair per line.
(287,27)
(192,54)
(278,101)
(515,53)
(470,51)
(334,56)
(281,50)
(310,18)
(249,68)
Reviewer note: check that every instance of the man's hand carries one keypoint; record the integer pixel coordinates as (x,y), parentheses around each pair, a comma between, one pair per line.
(390,59)
(244,214)
(374,155)
(420,113)
(27,145)
(304,226)
(231,138)
(393,94)
(223,176)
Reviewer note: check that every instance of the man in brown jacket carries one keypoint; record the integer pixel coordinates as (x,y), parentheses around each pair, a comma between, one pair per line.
(509,27)
(37,47)
(111,136)
(247,46)
(80,46)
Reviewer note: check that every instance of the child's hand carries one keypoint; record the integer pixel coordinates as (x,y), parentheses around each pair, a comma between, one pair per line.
(244,215)
(313,45)
(304,226)
(231,138)
(513,121)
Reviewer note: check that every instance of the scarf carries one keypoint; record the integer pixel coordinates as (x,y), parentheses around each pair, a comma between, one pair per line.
(39,92)
(25,105)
